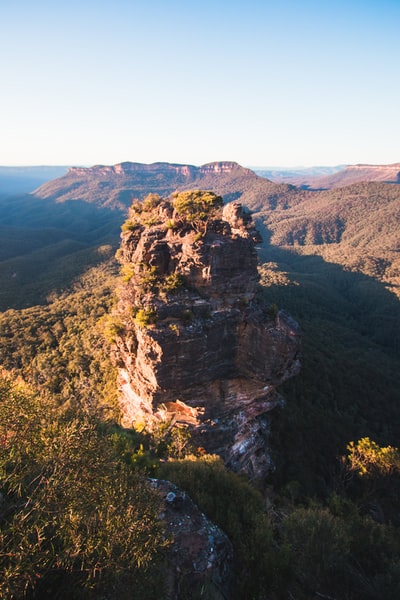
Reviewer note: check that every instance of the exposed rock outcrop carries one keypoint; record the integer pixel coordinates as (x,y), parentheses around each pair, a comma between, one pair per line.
(194,344)
(201,555)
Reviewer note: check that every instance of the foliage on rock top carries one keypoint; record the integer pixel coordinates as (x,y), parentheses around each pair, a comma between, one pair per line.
(191,207)
(197,206)
(143,214)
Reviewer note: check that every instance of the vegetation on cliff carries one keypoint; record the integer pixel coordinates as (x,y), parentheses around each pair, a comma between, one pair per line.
(196,344)
(197,207)
(323,528)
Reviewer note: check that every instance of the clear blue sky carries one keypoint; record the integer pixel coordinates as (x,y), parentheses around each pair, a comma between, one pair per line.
(261,82)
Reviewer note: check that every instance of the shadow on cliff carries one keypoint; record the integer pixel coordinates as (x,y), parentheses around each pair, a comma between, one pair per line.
(349,383)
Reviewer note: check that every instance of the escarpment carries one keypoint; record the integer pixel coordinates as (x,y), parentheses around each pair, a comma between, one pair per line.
(194,344)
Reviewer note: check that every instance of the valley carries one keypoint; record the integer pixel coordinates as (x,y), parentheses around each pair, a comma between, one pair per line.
(329,258)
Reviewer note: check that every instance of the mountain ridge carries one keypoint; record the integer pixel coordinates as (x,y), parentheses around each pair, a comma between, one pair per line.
(311,221)
(335,177)
(115,186)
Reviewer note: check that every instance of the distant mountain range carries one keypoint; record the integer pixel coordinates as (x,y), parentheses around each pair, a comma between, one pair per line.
(292,174)
(114,185)
(317,178)
(356,226)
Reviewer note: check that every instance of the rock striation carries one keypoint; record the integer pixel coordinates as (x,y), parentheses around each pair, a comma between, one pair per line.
(194,344)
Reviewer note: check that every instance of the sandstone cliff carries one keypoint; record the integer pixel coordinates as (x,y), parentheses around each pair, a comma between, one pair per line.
(115,186)
(194,344)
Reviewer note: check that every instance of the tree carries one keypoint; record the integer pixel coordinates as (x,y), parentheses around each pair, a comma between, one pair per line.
(197,207)
(367,459)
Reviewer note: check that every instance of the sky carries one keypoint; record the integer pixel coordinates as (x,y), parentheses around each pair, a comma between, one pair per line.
(259,82)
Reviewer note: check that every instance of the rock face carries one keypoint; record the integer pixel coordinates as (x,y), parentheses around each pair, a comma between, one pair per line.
(194,345)
(115,186)
(167,169)
(201,555)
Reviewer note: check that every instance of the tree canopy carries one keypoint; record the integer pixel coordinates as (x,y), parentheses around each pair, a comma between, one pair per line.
(197,206)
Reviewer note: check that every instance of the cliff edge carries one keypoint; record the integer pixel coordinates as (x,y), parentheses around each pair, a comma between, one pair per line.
(194,345)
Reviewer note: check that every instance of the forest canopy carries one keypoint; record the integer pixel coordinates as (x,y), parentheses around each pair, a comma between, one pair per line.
(327,523)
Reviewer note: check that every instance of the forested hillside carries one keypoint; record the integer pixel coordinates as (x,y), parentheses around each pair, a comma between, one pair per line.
(326,523)
(44,245)
(356,227)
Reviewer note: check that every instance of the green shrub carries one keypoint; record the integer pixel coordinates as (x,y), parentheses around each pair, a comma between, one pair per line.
(129,225)
(368,459)
(113,328)
(239,509)
(147,278)
(74,516)
(197,207)
(145,317)
(127,272)
(173,282)
(320,548)
(151,201)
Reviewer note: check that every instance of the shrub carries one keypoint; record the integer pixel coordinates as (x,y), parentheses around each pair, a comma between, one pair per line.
(173,282)
(129,225)
(145,317)
(320,547)
(197,207)
(151,201)
(74,516)
(235,506)
(127,272)
(367,459)
(147,278)
(112,328)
